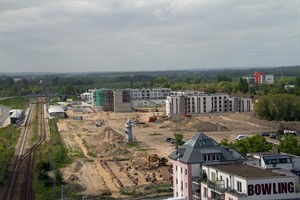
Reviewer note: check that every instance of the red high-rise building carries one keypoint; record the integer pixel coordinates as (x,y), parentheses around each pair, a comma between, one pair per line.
(257,76)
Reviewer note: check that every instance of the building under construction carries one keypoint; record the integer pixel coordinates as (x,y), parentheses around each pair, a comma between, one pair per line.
(113,100)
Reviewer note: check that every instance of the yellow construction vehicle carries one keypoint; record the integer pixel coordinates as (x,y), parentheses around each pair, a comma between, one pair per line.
(155,160)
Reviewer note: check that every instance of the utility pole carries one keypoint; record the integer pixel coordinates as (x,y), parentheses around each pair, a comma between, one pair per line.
(62,192)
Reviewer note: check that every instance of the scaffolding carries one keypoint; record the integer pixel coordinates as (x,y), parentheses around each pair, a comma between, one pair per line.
(99,98)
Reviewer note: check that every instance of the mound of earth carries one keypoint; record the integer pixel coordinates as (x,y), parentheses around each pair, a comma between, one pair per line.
(78,166)
(251,118)
(108,149)
(109,135)
(180,123)
(72,178)
(75,187)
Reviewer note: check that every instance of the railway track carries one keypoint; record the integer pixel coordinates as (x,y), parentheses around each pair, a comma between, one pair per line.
(20,179)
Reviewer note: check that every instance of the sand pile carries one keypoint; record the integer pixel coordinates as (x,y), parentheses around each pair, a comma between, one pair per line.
(78,166)
(108,149)
(180,123)
(109,135)
(75,187)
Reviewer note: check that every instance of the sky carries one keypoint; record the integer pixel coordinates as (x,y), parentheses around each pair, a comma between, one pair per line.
(114,35)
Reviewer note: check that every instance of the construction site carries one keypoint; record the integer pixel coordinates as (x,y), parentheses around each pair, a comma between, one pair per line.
(107,161)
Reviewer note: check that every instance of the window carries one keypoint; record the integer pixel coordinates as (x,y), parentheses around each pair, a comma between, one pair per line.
(176,181)
(205,192)
(186,186)
(185,171)
(181,185)
(239,186)
(213,176)
(181,169)
(176,168)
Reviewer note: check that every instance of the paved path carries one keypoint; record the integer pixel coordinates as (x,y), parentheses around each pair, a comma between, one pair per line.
(3,114)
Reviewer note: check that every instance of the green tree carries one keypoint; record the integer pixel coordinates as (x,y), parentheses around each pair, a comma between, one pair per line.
(252,144)
(261,108)
(243,85)
(178,139)
(278,107)
(224,78)
(59,176)
(289,144)
(297,81)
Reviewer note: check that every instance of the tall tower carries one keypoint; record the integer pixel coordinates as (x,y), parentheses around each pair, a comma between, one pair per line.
(128,131)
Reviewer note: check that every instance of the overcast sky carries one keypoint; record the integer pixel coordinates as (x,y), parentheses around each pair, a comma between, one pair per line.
(103,35)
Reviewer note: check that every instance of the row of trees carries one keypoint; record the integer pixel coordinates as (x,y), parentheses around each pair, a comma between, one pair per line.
(207,81)
(288,144)
(278,107)
(252,144)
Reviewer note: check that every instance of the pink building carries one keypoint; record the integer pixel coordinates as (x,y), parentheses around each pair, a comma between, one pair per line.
(188,160)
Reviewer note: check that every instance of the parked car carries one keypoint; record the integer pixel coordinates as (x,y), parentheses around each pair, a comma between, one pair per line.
(273,136)
(265,134)
(170,140)
(241,137)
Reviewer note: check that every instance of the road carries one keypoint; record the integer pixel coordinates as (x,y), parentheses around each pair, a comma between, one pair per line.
(3,114)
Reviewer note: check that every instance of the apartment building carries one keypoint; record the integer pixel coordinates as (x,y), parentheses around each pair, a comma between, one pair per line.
(105,99)
(183,103)
(260,78)
(146,93)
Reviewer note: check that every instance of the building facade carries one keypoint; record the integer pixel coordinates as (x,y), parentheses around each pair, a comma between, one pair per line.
(260,78)
(201,103)
(187,162)
(147,93)
(202,169)
(113,100)
(241,181)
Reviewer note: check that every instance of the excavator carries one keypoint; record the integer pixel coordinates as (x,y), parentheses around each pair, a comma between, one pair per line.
(153,160)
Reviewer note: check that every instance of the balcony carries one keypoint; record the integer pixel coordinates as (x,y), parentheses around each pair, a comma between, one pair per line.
(216,187)
(197,180)
(235,193)
(196,195)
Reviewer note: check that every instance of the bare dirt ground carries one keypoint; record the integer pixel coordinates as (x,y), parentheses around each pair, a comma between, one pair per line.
(105,162)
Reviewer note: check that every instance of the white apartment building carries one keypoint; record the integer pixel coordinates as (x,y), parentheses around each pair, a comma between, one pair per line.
(240,181)
(88,97)
(203,103)
(267,79)
(146,93)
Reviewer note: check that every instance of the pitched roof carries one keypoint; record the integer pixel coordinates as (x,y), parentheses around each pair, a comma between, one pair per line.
(193,150)
(56,109)
(16,113)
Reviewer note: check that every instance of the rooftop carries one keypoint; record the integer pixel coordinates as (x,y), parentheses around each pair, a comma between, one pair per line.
(193,151)
(246,171)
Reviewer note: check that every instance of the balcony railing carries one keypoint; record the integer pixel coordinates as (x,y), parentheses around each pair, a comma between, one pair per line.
(216,187)
(197,180)
(196,195)
(235,193)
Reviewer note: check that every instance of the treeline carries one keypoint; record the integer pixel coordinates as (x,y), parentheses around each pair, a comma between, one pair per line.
(252,144)
(278,107)
(288,144)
